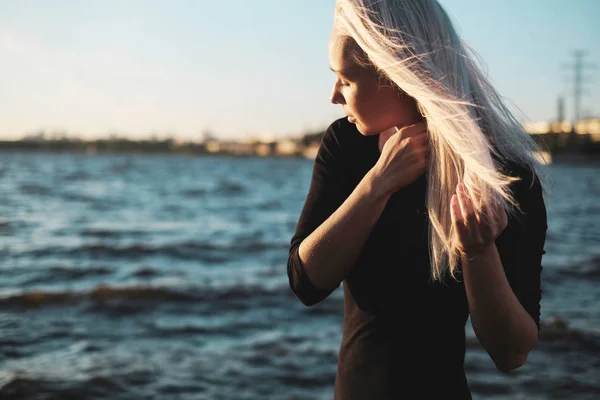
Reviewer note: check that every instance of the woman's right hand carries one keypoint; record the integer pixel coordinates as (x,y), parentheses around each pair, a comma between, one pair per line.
(403,159)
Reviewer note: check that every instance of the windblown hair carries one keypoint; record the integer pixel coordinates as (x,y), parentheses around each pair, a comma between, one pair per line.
(472,133)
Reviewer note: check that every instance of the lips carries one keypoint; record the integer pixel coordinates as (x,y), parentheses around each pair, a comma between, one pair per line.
(352,120)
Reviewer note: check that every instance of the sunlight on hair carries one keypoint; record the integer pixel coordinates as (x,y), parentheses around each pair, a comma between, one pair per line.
(472,132)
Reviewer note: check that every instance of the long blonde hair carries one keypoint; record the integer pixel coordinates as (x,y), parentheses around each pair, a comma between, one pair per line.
(414,44)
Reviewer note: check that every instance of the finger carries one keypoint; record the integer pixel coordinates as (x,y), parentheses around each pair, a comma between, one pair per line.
(495,211)
(421,138)
(418,142)
(499,219)
(455,212)
(486,228)
(467,209)
(459,194)
(486,216)
(456,216)
(413,130)
(476,201)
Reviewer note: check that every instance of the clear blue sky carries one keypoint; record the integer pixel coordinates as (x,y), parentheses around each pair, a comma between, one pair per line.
(246,68)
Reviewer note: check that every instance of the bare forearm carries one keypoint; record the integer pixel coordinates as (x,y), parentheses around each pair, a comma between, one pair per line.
(502,325)
(331,250)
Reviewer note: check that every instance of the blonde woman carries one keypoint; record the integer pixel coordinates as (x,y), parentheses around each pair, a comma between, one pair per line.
(426,203)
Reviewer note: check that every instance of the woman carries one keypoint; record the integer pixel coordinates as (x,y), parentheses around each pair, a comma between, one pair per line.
(425,202)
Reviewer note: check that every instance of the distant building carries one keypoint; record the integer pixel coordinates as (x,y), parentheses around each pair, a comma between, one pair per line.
(589,127)
(212,146)
(540,128)
(287,147)
(231,147)
(263,149)
(311,150)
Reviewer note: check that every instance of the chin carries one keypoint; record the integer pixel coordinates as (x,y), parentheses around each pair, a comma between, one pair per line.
(365,130)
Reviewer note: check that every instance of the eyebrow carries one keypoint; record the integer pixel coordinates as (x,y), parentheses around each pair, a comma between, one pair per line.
(349,73)
(342,71)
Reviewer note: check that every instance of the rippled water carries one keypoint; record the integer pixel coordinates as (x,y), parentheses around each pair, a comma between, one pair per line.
(163,277)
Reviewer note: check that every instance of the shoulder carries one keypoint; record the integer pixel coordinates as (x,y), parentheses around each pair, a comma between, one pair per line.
(526,174)
(527,190)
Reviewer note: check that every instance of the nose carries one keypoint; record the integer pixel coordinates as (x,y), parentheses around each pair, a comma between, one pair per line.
(336,97)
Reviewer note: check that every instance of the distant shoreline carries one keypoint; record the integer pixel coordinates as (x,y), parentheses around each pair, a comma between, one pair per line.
(559,148)
(555,147)
(567,158)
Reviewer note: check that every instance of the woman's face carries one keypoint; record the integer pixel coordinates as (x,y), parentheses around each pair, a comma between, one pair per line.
(371,102)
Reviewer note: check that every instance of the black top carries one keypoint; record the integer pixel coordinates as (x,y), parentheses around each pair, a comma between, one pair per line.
(403,333)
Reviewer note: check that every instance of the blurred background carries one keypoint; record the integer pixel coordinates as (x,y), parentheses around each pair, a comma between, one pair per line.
(155,157)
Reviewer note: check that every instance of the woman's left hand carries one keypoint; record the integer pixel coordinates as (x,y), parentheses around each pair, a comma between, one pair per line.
(476,231)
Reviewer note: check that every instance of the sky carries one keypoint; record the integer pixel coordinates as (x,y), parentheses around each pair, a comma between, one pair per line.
(250,68)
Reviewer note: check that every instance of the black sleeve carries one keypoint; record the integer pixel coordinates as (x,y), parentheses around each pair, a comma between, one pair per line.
(327,192)
(521,245)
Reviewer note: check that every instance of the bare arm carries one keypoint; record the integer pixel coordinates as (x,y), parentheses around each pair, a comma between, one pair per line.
(504,328)
(331,250)
(503,321)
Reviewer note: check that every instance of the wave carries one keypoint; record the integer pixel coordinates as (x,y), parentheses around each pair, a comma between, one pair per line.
(77,176)
(194,192)
(557,336)
(35,189)
(60,273)
(25,387)
(5,227)
(557,333)
(206,251)
(144,293)
(106,233)
(230,188)
(145,272)
(587,269)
